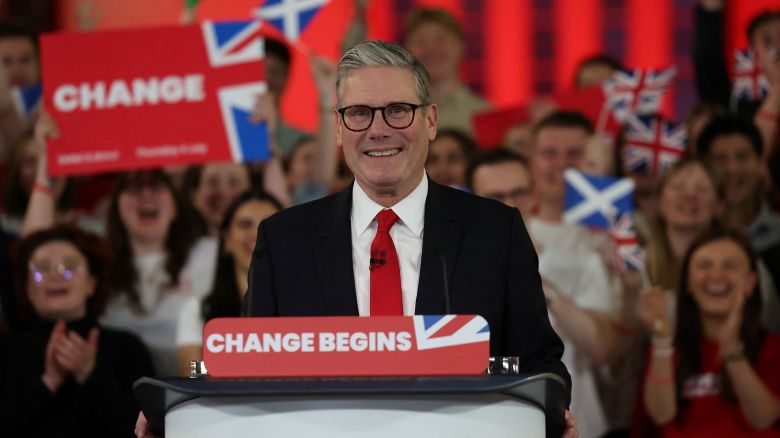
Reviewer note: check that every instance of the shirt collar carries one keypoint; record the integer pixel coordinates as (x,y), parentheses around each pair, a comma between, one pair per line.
(410,210)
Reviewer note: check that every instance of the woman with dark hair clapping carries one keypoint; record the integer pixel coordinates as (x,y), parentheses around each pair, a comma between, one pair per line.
(716,373)
(65,376)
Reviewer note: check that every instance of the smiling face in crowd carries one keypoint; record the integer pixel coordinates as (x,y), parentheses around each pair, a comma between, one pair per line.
(241,235)
(59,282)
(220,183)
(719,271)
(689,198)
(147,208)
(555,150)
(739,166)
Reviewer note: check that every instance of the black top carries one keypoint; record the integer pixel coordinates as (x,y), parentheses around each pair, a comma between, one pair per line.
(103,406)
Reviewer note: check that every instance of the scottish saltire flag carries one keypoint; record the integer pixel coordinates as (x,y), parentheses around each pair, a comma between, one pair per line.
(637,91)
(749,84)
(290,16)
(437,331)
(27,99)
(630,255)
(596,201)
(652,143)
(236,42)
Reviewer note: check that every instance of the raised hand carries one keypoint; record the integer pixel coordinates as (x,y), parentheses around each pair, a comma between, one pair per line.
(324,71)
(654,311)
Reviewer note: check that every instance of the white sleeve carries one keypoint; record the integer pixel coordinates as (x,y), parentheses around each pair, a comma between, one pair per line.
(189,327)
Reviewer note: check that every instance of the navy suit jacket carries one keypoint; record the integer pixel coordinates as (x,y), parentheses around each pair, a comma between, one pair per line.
(302,266)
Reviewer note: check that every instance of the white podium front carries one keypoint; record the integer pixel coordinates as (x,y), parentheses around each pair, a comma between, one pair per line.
(528,406)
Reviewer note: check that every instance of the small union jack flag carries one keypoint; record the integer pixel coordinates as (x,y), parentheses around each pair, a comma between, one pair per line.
(637,91)
(652,143)
(630,255)
(437,331)
(596,201)
(750,84)
(290,16)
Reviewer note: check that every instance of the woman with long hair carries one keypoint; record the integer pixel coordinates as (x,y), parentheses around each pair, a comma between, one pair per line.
(64,375)
(160,262)
(714,373)
(237,236)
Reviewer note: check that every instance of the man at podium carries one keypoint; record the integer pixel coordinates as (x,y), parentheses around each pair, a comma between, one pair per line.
(384,245)
(380,246)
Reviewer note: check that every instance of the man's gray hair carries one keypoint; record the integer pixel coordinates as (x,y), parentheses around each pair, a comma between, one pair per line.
(375,53)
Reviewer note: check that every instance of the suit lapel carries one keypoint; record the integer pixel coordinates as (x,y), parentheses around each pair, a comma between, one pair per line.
(334,258)
(441,234)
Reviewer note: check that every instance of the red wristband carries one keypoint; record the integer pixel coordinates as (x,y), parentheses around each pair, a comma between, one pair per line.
(38,187)
(767,115)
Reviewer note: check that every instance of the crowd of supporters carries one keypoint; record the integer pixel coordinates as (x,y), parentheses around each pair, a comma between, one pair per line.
(106,278)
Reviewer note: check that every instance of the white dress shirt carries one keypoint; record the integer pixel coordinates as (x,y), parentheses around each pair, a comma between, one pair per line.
(407,234)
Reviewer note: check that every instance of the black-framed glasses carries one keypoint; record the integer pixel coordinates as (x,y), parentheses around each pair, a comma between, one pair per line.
(360,117)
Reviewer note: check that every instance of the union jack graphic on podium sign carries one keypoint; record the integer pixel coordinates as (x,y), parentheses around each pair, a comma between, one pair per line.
(652,143)
(290,16)
(437,331)
(420,345)
(630,255)
(596,201)
(750,84)
(637,91)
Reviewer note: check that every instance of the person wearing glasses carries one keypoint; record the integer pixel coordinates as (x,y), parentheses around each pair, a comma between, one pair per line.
(374,248)
(64,375)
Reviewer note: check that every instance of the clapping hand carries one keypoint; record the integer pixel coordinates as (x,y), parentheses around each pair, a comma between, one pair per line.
(77,355)
(68,353)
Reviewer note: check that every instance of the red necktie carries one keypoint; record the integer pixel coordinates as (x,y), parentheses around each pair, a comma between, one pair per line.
(385,271)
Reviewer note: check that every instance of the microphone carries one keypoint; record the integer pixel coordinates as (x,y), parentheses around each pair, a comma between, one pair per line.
(377,260)
(438,253)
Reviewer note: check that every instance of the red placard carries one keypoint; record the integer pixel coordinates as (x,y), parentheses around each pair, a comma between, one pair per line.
(347,346)
(152,97)
(491,126)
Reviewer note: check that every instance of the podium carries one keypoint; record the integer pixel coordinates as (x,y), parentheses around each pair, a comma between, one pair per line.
(469,406)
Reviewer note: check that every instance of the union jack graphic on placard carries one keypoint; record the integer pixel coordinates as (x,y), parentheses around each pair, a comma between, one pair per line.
(233,42)
(438,331)
(630,255)
(596,201)
(248,141)
(750,84)
(290,16)
(652,143)
(637,91)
